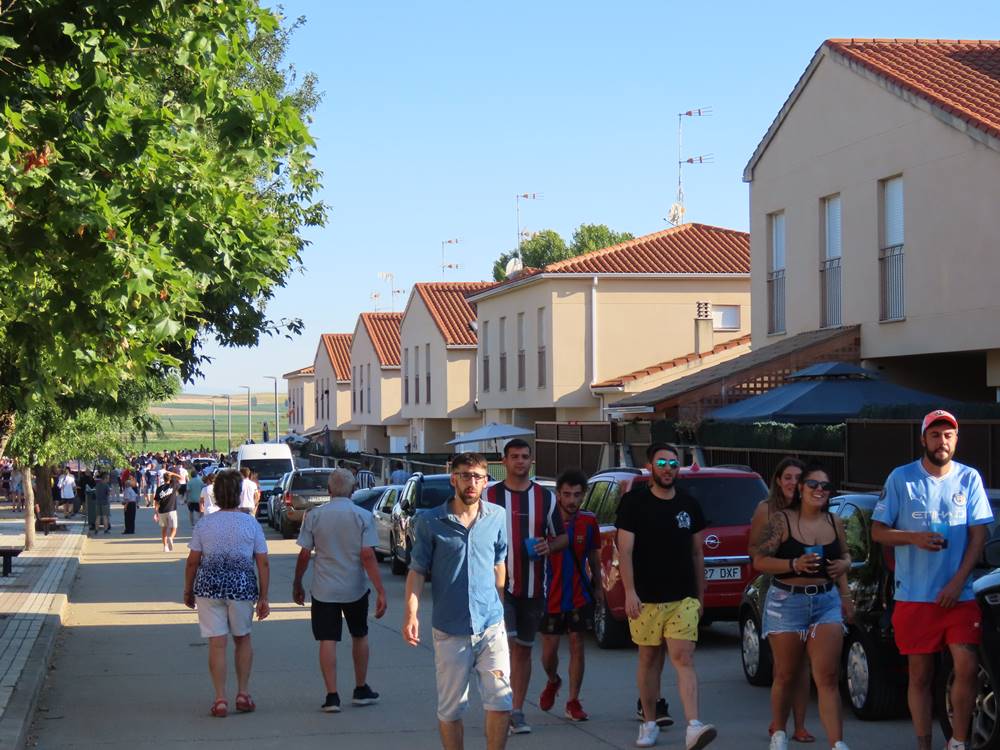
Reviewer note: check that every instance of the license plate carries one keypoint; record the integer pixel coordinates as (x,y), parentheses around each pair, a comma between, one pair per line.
(723,573)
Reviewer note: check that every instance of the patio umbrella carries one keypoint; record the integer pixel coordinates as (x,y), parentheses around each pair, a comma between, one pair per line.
(492,431)
(826,393)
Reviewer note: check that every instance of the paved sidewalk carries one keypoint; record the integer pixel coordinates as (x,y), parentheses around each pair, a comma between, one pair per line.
(32,604)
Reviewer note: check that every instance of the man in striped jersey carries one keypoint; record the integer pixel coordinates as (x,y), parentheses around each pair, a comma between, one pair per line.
(534,529)
(366,477)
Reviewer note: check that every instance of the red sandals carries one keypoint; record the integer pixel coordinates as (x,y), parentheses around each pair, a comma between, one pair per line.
(220,708)
(244,703)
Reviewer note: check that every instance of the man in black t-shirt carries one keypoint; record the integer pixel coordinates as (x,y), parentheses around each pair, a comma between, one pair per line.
(165,511)
(663,570)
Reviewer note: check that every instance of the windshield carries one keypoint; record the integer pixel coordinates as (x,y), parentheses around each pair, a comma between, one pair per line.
(725,501)
(367,498)
(314,480)
(267,468)
(434,492)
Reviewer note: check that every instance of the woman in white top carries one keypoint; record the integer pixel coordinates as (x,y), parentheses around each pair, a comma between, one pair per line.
(206,501)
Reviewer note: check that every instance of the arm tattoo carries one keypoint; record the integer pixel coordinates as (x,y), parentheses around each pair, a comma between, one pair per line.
(770,538)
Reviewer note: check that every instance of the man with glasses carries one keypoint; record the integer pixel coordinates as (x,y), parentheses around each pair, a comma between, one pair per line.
(935,511)
(663,571)
(462,545)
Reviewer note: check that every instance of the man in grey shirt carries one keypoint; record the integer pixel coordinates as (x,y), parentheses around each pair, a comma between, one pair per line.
(343,536)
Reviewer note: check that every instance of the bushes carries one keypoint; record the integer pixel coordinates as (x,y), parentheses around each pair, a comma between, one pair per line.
(776,435)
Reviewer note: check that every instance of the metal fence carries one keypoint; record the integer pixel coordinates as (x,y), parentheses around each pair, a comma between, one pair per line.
(829,275)
(776,301)
(890,272)
(765,460)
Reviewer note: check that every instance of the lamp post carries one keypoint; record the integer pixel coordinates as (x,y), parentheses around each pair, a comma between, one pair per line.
(229,424)
(213,424)
(249,426)
(277,426)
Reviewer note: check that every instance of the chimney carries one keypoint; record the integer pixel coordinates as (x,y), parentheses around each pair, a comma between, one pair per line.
(704,336)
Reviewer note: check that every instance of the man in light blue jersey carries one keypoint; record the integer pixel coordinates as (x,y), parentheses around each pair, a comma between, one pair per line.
(935,511)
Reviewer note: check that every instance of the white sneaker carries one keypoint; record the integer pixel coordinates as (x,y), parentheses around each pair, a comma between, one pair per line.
(166,548)
(699,735)
(170,545)
(648,732)
(956,745)
(779,741)
(841,745)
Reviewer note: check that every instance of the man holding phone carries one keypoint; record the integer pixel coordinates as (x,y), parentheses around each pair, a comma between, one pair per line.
(935,512)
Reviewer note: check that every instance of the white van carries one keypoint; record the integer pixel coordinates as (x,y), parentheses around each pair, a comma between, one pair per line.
(269,461)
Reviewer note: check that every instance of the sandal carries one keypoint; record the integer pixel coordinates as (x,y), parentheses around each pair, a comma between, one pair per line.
(220,708)
(803,736)
(244,703)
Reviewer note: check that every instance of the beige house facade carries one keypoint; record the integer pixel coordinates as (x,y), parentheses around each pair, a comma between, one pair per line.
(301,389)
(331,391)
(438,365)
(873,203)
(375,387)
(548,336)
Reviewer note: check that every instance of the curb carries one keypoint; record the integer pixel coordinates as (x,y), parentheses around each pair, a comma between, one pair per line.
(15,725)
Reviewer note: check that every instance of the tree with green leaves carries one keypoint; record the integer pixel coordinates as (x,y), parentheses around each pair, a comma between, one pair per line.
(547,247)
(155,177)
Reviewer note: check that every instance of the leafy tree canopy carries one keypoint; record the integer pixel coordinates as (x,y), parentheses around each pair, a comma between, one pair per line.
(548,247)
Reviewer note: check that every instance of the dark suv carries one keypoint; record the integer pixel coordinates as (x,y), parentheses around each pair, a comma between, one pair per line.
(728,497)
(420,494)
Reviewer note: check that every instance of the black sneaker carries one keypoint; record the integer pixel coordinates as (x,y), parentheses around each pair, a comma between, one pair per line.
(332,705)
(364,696)
(663,717)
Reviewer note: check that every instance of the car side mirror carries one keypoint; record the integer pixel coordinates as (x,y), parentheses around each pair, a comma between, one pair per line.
(991,553)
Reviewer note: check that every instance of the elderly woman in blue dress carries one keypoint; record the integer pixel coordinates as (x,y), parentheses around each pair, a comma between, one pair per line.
(226,579)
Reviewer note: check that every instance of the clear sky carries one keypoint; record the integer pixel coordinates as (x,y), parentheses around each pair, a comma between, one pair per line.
(436,114)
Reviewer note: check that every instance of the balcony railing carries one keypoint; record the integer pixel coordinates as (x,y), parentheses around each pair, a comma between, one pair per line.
(520,369)
(486,374)
(541,367)
(428,391)
(503,371)
(829,284)
(776,301)
(890,273)
(406,389)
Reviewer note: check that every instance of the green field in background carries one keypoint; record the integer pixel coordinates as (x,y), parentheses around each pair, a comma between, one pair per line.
(182,431)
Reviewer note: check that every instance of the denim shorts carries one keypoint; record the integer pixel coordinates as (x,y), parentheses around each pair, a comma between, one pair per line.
(787,612)
(458,657)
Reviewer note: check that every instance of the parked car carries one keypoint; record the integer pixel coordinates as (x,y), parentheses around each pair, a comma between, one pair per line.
(275,500)
(728,497)
(382,512)
(420,494)
(304,490)
(367,498)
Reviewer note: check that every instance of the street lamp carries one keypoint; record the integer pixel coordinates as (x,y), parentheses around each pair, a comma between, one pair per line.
(249,427)
(277,427)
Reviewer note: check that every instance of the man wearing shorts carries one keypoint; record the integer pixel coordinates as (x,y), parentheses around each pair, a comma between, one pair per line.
(935,511)
(571,593)
(663,571)
(463,543)
(532,518)
(343,536)
(165,513)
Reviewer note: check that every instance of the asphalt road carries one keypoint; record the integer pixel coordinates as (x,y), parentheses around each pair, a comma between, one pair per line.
(130,672)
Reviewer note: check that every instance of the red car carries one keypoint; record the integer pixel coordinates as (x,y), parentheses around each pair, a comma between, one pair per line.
(728,497)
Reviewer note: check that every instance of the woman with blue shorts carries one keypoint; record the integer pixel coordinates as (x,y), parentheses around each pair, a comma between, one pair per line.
(804,548)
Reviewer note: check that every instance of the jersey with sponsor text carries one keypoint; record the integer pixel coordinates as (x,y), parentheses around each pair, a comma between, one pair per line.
(565,585)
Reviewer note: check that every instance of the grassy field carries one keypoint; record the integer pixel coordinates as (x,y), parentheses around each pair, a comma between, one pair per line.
(187,420)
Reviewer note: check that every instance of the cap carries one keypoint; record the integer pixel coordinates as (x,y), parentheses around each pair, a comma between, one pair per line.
(938,415)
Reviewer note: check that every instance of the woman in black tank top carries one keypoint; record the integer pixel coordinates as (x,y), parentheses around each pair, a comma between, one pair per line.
(804,548)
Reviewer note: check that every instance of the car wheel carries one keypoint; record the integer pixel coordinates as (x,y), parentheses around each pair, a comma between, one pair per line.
(758,664)
(609,632)
(398,565)
(286,527)
(985,734)
(867,680)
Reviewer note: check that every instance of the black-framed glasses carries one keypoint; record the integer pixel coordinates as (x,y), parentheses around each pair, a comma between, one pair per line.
(471,476)
(663,463)
(815,484)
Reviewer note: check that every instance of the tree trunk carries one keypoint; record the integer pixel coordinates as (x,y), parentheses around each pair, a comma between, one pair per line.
(6,429)
(44,500)
(29,510)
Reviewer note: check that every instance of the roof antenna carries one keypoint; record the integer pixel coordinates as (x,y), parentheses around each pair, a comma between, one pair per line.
(675,216)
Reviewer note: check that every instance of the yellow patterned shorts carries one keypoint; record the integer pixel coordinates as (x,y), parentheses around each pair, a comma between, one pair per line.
(673,620)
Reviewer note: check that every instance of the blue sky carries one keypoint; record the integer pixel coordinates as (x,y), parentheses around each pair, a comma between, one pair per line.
(436,114)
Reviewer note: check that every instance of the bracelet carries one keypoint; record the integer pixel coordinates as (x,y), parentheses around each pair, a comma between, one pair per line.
(791,565)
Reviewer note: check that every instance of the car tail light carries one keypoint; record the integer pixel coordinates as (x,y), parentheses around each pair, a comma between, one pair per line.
(288,499)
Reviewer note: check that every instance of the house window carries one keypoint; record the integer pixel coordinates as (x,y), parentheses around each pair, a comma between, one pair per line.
(520,351)
(406,376)
(541,347)
(361,388)
(829,270)
(326,393)
(427,369)
(503,354)
(416,374)
(368,385)
(890,254)
(484,345)
(776,273)
(725,317)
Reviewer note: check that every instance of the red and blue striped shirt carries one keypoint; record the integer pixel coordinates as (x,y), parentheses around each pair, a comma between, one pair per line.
(564,582)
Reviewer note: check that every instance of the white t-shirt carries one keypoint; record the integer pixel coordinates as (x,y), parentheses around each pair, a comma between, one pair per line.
(248,491)
(67,487)
(182,470)
(208,499)
(130,495)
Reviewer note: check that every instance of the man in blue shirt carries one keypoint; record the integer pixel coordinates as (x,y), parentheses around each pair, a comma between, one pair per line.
(935,511)
(463,545)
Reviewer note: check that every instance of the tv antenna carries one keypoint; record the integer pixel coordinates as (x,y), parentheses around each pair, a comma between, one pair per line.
(513,266)
(517,212)
(675,215)
(445,266)
(393,291)
(374,297)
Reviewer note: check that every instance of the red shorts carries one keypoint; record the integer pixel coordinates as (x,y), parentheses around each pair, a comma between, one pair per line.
(926,628)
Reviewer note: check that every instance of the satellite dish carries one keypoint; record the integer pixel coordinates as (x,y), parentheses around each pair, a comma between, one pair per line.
(676,214)
(513,266)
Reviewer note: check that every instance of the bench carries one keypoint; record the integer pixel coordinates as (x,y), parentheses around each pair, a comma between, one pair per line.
(8,554)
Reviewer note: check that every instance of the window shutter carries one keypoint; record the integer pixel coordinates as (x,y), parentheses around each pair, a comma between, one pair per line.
(777,242)
(833,233)
(892,211)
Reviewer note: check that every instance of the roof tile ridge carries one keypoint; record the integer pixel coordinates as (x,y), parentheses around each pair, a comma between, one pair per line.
(602,251)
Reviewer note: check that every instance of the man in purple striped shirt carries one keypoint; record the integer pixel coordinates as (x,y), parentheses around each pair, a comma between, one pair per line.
(533,520)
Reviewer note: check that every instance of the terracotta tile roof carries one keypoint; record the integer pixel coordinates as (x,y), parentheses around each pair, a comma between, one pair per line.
(451,311)
(383,330)
(338,349)
(309,370)
(960,76)
(621,380)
